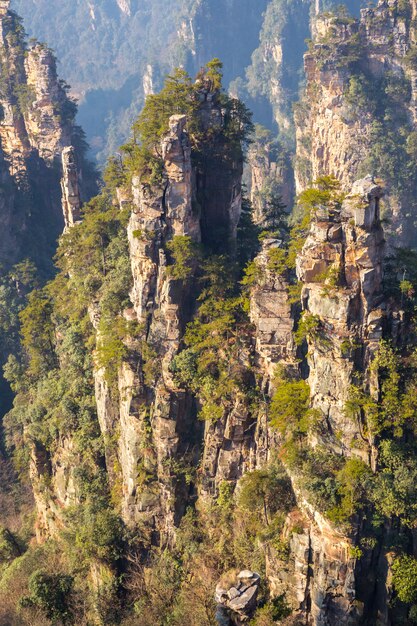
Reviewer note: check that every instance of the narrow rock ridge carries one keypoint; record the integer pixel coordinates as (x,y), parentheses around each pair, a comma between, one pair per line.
(158,215)
(48,129)
(272,315)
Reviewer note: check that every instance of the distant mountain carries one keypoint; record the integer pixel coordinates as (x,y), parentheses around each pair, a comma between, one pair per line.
(112,52)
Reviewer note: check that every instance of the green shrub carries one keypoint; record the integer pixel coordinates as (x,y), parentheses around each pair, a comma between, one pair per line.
(111,349)
(354,481)
(404,570)
(184,256)
(309,327)
(50,593)
(395,486)
(289,410)
(97,532)
(265,492)
(277,260)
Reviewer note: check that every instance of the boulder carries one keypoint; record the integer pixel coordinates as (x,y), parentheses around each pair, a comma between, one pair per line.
(237,603)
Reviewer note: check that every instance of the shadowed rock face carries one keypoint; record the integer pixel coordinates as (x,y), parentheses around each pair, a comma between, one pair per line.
(37,123)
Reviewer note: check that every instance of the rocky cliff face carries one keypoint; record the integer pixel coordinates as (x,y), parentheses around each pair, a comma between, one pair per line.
(37,124)
(271,176)
(237,405)
(359,100)
(160,304)
(340,267)
(149,423)
(37,131)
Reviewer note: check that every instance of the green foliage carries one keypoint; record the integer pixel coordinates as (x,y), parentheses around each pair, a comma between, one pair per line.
(237,125)
(96,530)
(274,216)
(184,255)
(180,96)
(404,571)
(355,552)
(340,488)
(151,366)
(253,274)
(176,98)
(25,96)
(278,261)
(289,409)
(9,547)
(272,613)
(14,286)
(353,483)
(325,193)
(247,234)
(114,175)
(266,490)
(38,333)
(340,47)
(210,367)
(111,349)
(214,73)
(400,279)
(391,145)
(95,254)
(50,593)
(393,414)
(395,486)
(225,497)
(309,327)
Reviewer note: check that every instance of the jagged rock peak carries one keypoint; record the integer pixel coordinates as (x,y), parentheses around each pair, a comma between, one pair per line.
(4,7)
(70,184)
(48,125)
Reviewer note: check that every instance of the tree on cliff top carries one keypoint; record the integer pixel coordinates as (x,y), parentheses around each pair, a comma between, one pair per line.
(181,96)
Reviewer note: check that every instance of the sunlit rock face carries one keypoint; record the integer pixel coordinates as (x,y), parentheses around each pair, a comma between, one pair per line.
(339,130)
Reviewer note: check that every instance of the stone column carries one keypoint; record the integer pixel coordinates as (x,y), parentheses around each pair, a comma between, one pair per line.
(4,7)
(70,185)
